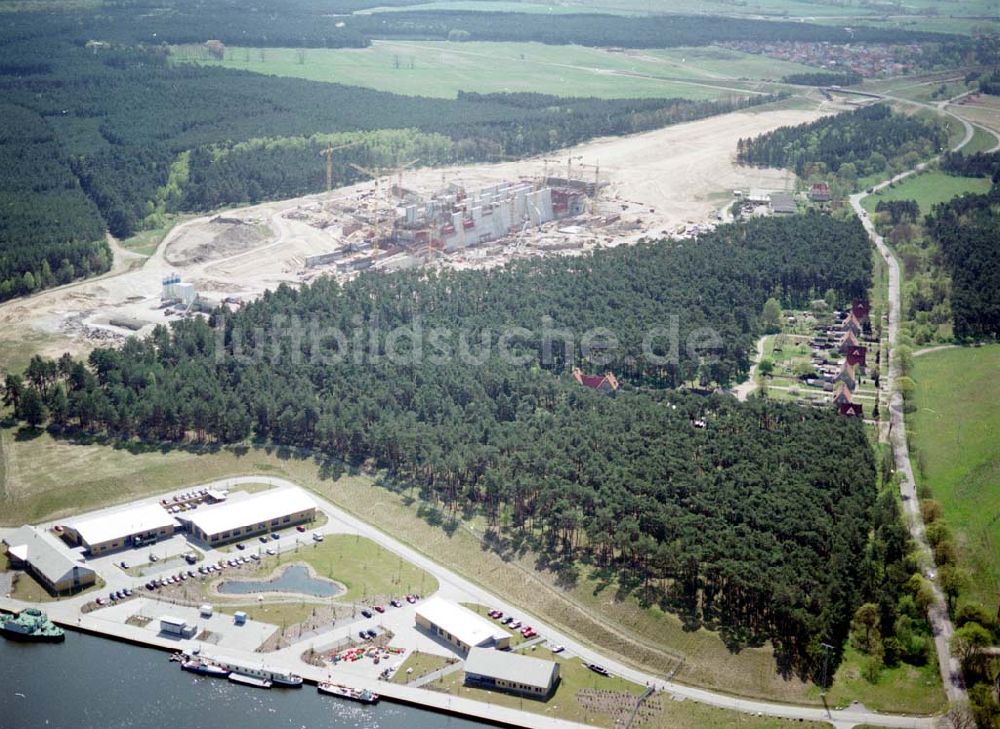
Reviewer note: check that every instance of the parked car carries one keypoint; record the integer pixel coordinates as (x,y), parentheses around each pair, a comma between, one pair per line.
(363,634)
(366,613)
(275,535)
(153,558)
(508,620)
(412,598)
(123,564)
(100,601)
(395,603)
(263,539)
(255,557)
(241,546)
(317,537)
(529,632)
(557,648)
(378,608)
(301,528)
(128,592)
(495,614)
(515,625)
(270,551)
(598,669)
(371,633)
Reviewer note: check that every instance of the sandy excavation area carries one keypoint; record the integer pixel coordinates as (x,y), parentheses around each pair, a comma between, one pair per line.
(658,183)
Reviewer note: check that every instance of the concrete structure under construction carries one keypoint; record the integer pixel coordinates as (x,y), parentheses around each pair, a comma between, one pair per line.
(57,568)
(458,626)
(239,518)
(120,529)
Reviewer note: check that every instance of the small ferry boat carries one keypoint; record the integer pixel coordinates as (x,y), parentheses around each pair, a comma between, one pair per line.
(346,692)
(250,680)
(205,669)
(31,625)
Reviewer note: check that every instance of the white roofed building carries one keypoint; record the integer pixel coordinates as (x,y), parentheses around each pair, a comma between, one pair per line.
(50,561)
(511,672)
(111,530)
(259,513)
(455,624)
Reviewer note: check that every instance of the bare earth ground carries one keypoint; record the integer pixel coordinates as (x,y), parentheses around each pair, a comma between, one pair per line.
(659,180)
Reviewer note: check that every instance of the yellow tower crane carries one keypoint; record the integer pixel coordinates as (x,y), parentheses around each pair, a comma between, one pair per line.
(328,153)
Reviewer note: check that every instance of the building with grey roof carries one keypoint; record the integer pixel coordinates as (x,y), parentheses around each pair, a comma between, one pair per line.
(513,673)
(48,560)
(783,203)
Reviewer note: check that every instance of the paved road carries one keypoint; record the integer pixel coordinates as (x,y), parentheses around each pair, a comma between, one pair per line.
(941,623)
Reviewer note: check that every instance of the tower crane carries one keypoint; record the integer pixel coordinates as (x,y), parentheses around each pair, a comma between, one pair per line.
(328,153)
(376,175)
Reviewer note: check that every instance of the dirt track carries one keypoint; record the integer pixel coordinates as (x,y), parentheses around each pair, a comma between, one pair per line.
(671,176)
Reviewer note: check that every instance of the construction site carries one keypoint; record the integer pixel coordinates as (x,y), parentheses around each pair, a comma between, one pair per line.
(674,182)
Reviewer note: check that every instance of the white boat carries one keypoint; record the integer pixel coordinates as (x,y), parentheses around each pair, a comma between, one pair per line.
(346,692)
(250,680)
(205,669)
(272,675)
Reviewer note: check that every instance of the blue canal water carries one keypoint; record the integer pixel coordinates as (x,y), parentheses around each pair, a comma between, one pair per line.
(94,683)
(294,578)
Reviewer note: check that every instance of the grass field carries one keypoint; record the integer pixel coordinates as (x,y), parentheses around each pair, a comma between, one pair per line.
(67,478)
(442,69)
(981,141)
(419,664)
(954,434)
(370,572)
(918,688)
(928,189)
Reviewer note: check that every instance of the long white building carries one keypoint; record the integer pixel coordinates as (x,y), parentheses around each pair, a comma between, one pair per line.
(256,514)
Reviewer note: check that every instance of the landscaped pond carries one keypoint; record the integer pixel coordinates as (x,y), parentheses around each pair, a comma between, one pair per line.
(294,578)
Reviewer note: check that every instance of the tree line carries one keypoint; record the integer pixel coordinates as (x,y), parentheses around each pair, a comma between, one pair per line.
(979,164)
(334,25)
(823,78)
(967,229)
(851,144)
(752,524)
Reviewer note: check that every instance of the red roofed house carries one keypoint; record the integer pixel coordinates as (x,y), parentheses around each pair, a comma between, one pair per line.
(851,324)
(852,409)
(846,376)
(848,342)
(820,192)
(842,395)
(605,383)
(860,309)
(857,356)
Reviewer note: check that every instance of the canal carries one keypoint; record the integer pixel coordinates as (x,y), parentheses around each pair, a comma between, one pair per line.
(94,683)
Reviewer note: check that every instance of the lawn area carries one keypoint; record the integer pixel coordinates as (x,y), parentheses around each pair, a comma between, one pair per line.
(442,69)
(954,436)
(370,572)
(917,688)
(928,189)
(981,141)
(145,242)
(28,589)
(419,664)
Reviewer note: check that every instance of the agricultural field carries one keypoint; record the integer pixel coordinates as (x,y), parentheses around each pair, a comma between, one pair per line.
(928,189)
(954,450)
(442,69)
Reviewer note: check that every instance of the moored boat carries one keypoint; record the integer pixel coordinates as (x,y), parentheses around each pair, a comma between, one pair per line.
(346,692)
(204,669)
(32,625)
(250,680)
(273,676)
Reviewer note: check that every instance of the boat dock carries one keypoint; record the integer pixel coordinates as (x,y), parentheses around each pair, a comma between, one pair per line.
(70,618)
